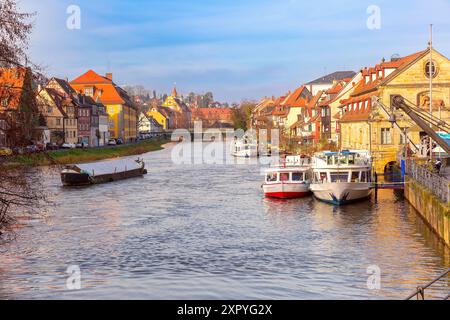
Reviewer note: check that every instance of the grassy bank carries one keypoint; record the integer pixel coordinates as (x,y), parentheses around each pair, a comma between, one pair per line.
(85,155)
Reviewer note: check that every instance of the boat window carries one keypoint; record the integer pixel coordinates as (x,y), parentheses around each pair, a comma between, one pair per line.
(343,160)
(323,177)
(363,177)
(329,161)
(271,177)
(351,159)
(355,176)
(339,176)
(297,176)
(284,177)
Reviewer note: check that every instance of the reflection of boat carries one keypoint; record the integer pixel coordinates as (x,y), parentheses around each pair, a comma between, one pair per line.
(102,172)
(289,179)
(244,148)
(341,177)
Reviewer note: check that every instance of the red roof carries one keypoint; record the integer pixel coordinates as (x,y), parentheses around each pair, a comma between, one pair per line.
(104,88)
(364,87)
(299,98)
(213,114)
(91,77)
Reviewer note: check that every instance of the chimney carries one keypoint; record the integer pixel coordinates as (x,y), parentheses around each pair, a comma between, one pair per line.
(109,76)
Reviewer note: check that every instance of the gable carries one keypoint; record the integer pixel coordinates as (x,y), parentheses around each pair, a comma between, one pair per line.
(415,72)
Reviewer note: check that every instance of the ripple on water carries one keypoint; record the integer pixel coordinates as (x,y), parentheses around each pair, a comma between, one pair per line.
(206,232)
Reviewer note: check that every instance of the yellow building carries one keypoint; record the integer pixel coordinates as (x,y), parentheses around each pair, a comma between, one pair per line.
(161,115)
(364,125)
(121,110)
(182,114)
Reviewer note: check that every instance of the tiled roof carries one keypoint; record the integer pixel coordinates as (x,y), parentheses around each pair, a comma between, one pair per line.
(213,114)
(105,90)
(91,77)
(298,98)
(364,87)
(329,78)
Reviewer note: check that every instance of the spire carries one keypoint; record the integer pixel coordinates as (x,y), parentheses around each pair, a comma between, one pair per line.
(174,92)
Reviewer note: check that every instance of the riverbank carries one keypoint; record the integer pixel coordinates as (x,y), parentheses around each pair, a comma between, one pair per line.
(85,155)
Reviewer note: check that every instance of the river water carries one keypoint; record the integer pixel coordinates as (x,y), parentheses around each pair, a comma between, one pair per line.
(206,232)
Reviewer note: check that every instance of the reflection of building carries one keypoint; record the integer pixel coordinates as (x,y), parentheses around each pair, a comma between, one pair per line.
(214,117)
(364,126)
(122,112)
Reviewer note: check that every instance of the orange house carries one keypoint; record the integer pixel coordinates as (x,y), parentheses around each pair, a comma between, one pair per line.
(121,111)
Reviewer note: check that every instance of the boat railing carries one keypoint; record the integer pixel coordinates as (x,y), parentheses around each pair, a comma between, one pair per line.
(419,293)
(288,164)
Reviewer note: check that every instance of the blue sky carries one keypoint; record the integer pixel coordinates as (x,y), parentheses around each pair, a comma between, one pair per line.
(238,49)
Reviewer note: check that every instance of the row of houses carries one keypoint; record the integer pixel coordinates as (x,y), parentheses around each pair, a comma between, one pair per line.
(89,110)
(174,113)
(351,110)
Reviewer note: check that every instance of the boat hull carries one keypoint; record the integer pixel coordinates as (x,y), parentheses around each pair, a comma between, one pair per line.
(341,193)
(81,179)
(286,190)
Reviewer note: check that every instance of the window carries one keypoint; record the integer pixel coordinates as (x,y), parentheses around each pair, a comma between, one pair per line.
(284,177)
(89,91)
(58,121)
(5,102)
(339,176)
(386,136)
(271,177)
(355,176)
(297,176)
(433,69)
(402,136)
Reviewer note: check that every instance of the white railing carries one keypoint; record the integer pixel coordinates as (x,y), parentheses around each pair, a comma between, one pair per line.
(437,184)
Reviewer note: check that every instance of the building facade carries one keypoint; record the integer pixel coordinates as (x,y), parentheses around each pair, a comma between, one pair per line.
(120,109)
(365,124)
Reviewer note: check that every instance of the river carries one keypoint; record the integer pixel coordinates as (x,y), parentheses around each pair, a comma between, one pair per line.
(206,232)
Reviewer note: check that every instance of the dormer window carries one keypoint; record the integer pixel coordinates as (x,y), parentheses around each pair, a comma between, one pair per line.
(5,102)
(89,91)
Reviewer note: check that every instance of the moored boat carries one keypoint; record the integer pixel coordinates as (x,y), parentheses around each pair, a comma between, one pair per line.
(244,148)
(102,172)
(342,177)
(289,179)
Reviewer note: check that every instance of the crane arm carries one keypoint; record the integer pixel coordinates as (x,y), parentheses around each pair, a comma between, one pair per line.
(399,103)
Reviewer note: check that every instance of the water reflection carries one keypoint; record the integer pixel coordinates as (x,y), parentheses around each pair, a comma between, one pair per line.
(205,231)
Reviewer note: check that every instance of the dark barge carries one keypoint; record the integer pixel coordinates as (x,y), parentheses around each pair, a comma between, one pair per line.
(102,172)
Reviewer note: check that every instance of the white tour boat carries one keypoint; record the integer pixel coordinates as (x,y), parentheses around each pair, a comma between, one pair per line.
(289,179)
(244,148)
(342,177)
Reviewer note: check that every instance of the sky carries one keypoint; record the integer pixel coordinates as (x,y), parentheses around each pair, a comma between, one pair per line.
(237,49)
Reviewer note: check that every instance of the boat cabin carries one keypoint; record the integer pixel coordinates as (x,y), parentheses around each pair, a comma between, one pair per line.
(287,176)
(351,175)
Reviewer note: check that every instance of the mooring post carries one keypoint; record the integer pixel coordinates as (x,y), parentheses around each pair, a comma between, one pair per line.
(376,185)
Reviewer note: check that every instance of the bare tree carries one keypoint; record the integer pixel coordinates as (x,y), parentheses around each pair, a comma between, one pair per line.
(18,124)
